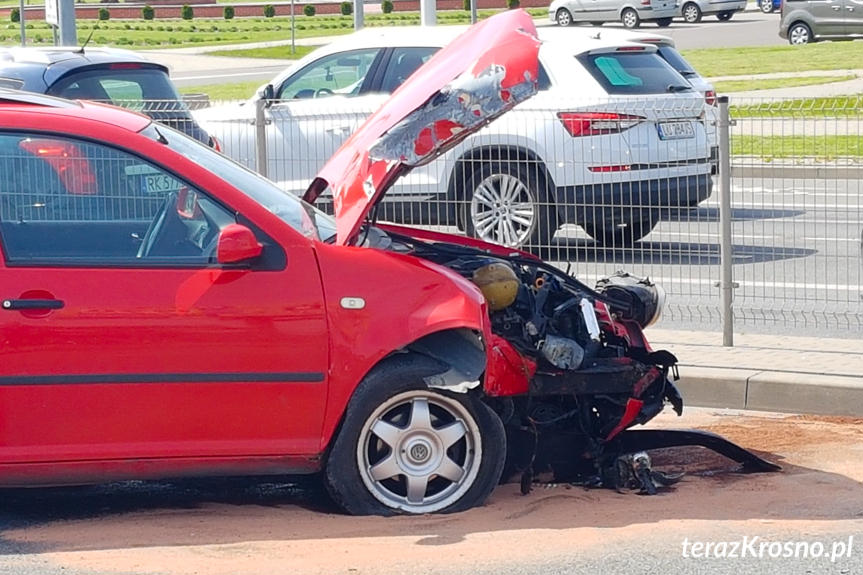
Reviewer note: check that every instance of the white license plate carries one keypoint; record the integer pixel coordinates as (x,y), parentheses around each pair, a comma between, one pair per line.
(160,184)
(675,130)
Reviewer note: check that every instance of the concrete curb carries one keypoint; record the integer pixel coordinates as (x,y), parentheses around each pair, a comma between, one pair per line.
(769,170)
(788,392)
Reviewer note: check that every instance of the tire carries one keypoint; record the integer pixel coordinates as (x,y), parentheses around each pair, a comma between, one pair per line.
(766,6)
(508,203)
(629,18)
(691,13)
(563,18)
(724,16)
(428,433)
(623,232)
(664,22)
(799,34)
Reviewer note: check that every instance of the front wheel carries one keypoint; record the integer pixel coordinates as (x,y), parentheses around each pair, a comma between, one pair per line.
(766,6)
(664,22)
(691,13)
(724,16)
(563,18)
(508,204)
(629,18)
(799,34)
(405,448)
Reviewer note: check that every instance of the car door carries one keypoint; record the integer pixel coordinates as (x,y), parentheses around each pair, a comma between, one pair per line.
(854,17)
(123,339)
(316,110)
(828,17)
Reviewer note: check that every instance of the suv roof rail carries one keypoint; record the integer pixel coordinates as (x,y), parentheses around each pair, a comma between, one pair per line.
(19,97)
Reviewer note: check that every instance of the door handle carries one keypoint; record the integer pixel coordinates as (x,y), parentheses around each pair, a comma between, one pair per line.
(836,8)
(338,129)
(19,304)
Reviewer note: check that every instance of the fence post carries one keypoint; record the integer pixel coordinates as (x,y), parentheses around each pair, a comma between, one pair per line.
(726,255)
(261,136)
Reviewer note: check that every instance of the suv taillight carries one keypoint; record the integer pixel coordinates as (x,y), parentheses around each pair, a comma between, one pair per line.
(597,123)
(710,98)
(67,161)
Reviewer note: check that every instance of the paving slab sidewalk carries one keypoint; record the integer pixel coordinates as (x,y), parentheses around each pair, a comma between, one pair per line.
(767,372)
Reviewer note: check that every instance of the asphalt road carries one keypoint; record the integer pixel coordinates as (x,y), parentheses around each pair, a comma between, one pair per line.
(744,29)
(797,257)
(222,527)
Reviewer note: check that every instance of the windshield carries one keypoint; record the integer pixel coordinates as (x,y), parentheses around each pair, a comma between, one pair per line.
(303,217)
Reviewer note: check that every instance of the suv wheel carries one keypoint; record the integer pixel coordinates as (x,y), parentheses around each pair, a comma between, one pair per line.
(563,17)
(724,16)
(766,6)
(691,13)
(630,19)
(508,205)
(664,22)
(405,448)
(799,34)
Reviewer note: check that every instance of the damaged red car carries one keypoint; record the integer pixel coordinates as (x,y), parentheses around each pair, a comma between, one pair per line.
(167,313)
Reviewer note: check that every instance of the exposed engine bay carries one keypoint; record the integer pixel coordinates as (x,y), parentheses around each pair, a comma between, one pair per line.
(578,371)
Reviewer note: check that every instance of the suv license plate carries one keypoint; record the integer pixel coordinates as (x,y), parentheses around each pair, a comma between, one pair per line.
(675,130)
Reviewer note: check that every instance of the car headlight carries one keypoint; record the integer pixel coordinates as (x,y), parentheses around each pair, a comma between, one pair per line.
(645,299)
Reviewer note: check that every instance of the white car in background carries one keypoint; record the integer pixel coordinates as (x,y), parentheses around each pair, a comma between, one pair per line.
(630,13)
(668,51)
(614,135)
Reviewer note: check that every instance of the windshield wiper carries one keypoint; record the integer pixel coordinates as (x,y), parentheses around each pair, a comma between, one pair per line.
(674,88)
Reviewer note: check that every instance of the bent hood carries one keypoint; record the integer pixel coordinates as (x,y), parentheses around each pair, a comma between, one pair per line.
(477,77)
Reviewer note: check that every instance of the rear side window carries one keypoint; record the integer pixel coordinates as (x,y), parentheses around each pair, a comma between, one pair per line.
(12,83)
(633,73)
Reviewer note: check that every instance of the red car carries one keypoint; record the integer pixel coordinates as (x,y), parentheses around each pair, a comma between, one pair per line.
(166,312)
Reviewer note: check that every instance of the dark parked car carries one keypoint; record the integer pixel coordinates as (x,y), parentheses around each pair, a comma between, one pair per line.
(118,77)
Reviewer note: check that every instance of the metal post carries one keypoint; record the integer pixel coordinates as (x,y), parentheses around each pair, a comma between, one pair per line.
(293,31)
(68,27)
(473,11)
(21,20)
(428,16)
(261,136)
(726,254)
(358,15)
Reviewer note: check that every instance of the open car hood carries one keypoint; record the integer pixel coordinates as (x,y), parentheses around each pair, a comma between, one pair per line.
(477,77)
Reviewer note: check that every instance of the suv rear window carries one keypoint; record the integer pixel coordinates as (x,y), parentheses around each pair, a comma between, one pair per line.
(633,73)
(127,87)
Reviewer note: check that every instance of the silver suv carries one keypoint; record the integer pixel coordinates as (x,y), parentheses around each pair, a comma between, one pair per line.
(805,21)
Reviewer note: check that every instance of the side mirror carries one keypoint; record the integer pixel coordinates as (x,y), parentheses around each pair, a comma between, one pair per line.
(237,243)
(267,93)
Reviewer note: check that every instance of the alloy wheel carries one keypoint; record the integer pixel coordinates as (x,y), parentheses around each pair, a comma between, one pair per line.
(419,452)
(503,210)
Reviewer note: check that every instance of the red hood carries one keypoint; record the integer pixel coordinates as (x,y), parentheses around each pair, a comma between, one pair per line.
(477,77)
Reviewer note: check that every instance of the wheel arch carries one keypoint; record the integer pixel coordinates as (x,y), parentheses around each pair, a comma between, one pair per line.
(517,153)
(458,351)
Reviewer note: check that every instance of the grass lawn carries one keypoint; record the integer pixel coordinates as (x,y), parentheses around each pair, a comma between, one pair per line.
(816,147)
(283,52)
(178,33)
(771,83)
(238,91)
(767,59)
(839,107)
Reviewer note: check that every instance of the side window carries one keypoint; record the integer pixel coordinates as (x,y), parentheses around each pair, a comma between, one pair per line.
(74,202)
(403,63)
(335,74)
(12,83)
